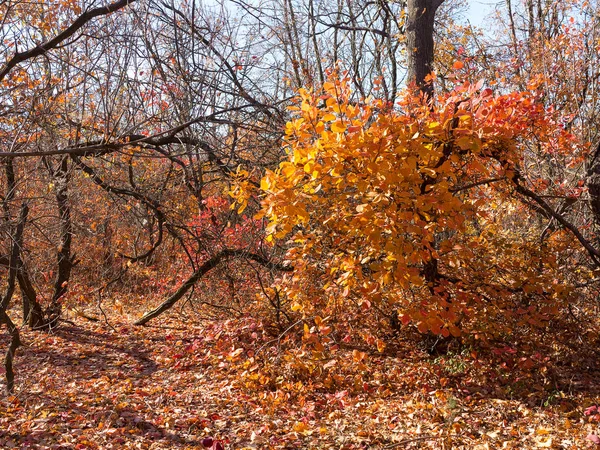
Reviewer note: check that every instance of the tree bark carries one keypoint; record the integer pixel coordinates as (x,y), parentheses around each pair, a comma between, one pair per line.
(32,310)
(33,315)
(13,269)
(65,260)
(15,343)
(419,43)
(419,50)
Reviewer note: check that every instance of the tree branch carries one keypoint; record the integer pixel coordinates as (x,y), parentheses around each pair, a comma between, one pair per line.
(203,270)
(592,251)
(42,48)
(475,184)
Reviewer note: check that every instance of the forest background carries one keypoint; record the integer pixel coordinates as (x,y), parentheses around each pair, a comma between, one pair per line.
(299,224)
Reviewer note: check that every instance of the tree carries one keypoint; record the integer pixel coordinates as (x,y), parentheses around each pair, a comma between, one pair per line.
(341,241)
(537,42)
(351,202)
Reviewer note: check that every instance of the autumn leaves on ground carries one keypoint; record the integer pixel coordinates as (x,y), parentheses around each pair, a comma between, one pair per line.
(111,385)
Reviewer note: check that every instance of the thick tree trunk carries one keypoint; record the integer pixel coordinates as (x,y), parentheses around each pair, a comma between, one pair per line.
(15,343)
(419,42)
(32,310)
(419,50)
(33,315)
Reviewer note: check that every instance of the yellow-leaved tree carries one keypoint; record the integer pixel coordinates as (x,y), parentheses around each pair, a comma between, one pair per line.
(407,213)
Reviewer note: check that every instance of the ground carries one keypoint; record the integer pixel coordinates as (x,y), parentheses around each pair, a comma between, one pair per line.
(169,385)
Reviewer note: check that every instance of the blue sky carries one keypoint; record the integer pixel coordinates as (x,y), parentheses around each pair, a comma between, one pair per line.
(479,9)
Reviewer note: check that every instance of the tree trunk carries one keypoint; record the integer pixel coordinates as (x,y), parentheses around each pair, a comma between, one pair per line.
(33,315)
(419,50)
(32,310)
(13,269)
(65,260)
(419,43)
(593,184)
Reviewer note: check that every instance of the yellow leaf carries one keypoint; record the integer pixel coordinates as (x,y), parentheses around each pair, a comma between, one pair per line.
(287,169)
(265,184)
(338,127)
(433,127)
(300,427)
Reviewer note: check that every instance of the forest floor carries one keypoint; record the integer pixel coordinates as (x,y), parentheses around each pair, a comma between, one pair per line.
(169,385)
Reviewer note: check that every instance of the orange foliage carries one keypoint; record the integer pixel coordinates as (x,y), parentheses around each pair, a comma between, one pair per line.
(368,196)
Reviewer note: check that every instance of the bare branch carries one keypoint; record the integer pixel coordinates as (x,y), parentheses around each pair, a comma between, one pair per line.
(203,270)
(42,48)
(592,251)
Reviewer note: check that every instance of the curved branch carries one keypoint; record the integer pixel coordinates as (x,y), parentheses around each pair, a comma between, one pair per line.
(150,203)
(592,251)
(203,270)
(151,250)
(103,147)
